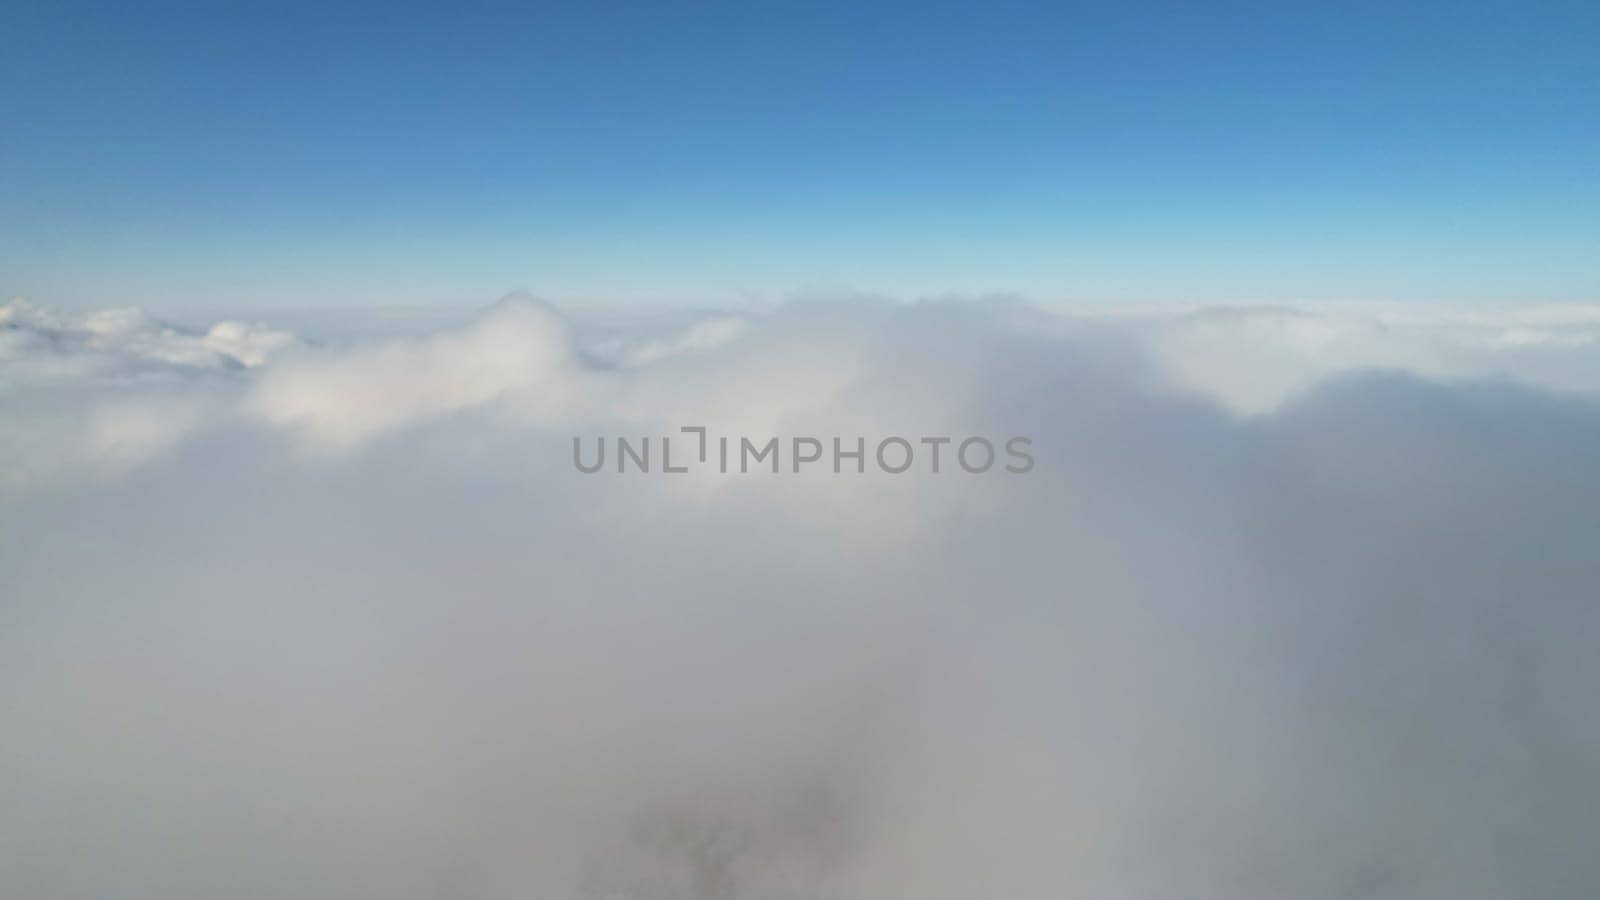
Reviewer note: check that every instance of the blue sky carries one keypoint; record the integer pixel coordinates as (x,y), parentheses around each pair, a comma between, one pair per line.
(404,153)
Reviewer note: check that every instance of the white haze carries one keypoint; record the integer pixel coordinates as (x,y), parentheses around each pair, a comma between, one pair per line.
(1295,603)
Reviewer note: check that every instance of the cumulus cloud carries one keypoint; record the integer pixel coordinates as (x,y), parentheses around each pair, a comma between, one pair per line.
(1294,603)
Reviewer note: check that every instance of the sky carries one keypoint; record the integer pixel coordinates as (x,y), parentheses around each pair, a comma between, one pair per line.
(285,155)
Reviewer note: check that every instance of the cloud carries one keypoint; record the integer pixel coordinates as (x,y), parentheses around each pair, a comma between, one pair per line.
(1253,359)
(1294,603)
(341,399)
(38,346)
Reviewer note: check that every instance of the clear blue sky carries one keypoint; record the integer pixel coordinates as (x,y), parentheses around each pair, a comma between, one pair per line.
(363,153)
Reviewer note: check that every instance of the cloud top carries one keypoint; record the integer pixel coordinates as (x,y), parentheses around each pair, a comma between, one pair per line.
(1294,603)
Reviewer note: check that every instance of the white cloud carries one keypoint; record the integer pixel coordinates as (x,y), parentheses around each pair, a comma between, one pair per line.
(1295,603)
(340,399)
(37,345)
(1253,359)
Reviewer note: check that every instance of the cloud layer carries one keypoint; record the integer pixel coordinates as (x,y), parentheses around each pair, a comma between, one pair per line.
(1294,603)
